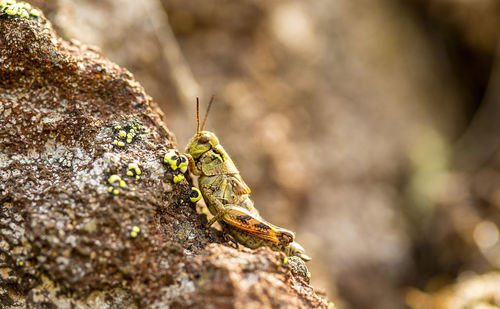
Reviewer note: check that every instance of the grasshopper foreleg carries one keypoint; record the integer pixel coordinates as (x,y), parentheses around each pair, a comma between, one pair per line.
(192,165)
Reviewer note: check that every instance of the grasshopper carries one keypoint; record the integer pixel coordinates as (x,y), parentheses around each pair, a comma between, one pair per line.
(227,196)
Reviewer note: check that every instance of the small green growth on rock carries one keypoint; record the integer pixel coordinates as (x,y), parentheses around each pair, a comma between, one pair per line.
(126,134)
(14,9)
(35,12)
(134,170)
(116,181)
(113,178)
(135,231)
(178,178)
(118,143)
(194,195)
(176,161)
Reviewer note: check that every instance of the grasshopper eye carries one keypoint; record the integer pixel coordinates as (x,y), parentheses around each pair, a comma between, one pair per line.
(203,139)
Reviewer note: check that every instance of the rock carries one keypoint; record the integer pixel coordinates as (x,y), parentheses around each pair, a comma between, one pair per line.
(76,227)
(469,291)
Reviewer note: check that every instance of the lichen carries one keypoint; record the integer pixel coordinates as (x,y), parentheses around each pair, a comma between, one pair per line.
(116,182)
(12,8)
(126,134)
(135,231)
(194,195)
(177,163)
(134,170)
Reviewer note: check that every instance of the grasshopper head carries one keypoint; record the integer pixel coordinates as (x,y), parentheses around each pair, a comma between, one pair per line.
(201,142)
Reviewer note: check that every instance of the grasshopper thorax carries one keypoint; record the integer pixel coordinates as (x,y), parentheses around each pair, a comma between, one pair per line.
(201,142)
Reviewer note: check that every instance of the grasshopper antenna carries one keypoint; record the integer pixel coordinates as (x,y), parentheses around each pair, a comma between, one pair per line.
(206,114)
(197,114)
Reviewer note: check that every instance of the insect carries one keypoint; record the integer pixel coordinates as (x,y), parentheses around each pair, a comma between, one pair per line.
(227,196)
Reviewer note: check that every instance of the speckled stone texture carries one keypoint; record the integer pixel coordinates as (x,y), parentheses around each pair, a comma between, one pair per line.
(65,241)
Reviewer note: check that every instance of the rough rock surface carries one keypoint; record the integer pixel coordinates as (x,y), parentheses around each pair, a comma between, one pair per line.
(65,240)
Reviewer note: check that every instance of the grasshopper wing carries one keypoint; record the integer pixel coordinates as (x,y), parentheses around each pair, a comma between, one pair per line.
(242,219)
(239,186)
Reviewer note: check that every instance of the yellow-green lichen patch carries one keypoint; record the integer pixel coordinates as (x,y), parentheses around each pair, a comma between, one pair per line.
(115,182)
(35,12)
(285,261)
(135,231)
(178,178)
(118,143)
(114,178)
(17,9)
(194,195)
(126,134)
(176,162)
(134,170)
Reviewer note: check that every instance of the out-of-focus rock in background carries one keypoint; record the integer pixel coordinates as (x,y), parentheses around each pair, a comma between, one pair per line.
(368,127)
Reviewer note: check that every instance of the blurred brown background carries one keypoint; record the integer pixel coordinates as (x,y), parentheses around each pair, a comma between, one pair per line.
(369,127)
